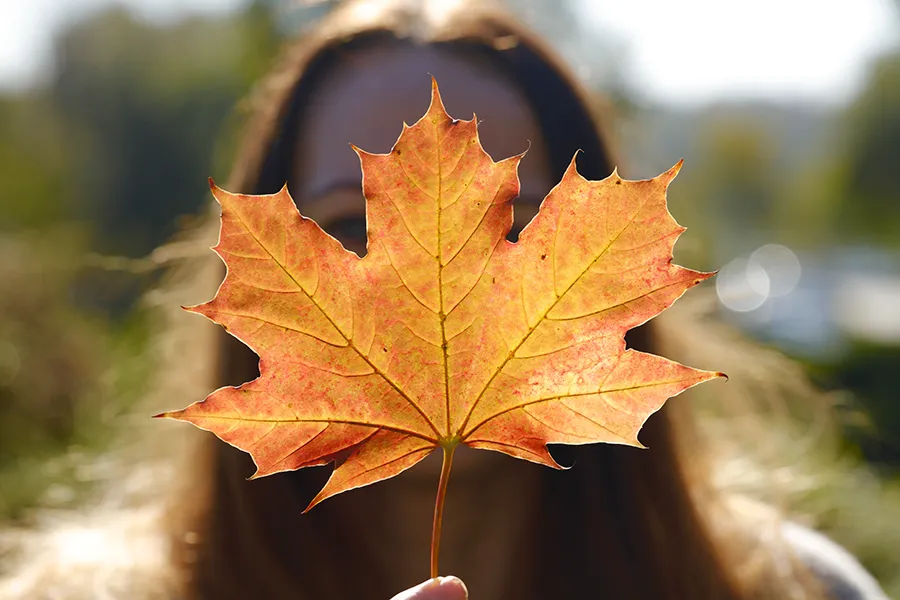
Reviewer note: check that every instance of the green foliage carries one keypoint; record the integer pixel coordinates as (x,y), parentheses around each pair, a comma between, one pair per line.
(64,377)
(116,142)
(147,102)
(872,413)
(848,192)
(736,184)
(33,163)
(872,179)
(103,160)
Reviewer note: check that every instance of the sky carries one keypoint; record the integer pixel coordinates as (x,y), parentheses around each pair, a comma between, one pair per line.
(685,52)
(27,28)
(698,50)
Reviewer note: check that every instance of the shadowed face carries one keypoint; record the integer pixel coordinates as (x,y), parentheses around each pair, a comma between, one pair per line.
(366,99)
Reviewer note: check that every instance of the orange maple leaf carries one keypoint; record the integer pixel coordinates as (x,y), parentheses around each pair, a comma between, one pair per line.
(444,333)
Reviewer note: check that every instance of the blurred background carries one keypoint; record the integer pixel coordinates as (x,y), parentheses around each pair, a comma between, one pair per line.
(113,113)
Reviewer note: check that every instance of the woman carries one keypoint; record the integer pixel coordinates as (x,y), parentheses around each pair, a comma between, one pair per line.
(622,524)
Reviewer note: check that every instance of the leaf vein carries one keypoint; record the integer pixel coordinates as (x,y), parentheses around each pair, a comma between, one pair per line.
(546,312)
(624,303)
(349,341)
(396,429)
(466,436)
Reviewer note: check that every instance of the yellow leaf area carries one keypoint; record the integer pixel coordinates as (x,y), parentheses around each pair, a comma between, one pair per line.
(445,333)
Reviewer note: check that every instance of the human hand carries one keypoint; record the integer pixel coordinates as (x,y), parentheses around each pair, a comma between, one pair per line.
(441,588)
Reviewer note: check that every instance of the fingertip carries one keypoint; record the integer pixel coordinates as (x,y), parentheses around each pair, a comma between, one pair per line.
(440,588)
(452,588)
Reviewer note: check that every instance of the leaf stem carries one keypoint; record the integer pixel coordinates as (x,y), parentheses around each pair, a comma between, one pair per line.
(439,507)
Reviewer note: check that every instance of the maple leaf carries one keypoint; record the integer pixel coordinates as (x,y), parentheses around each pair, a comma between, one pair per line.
(445,333)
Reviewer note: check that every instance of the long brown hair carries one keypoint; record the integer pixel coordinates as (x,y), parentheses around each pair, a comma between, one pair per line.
(624,524)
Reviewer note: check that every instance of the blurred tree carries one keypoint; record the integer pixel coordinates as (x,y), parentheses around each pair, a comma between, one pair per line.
(869,371)
(144,105)
(870,207)
(33,163)
(733,190)
(104,159)
(854,193)
(51,363)
(807,204)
